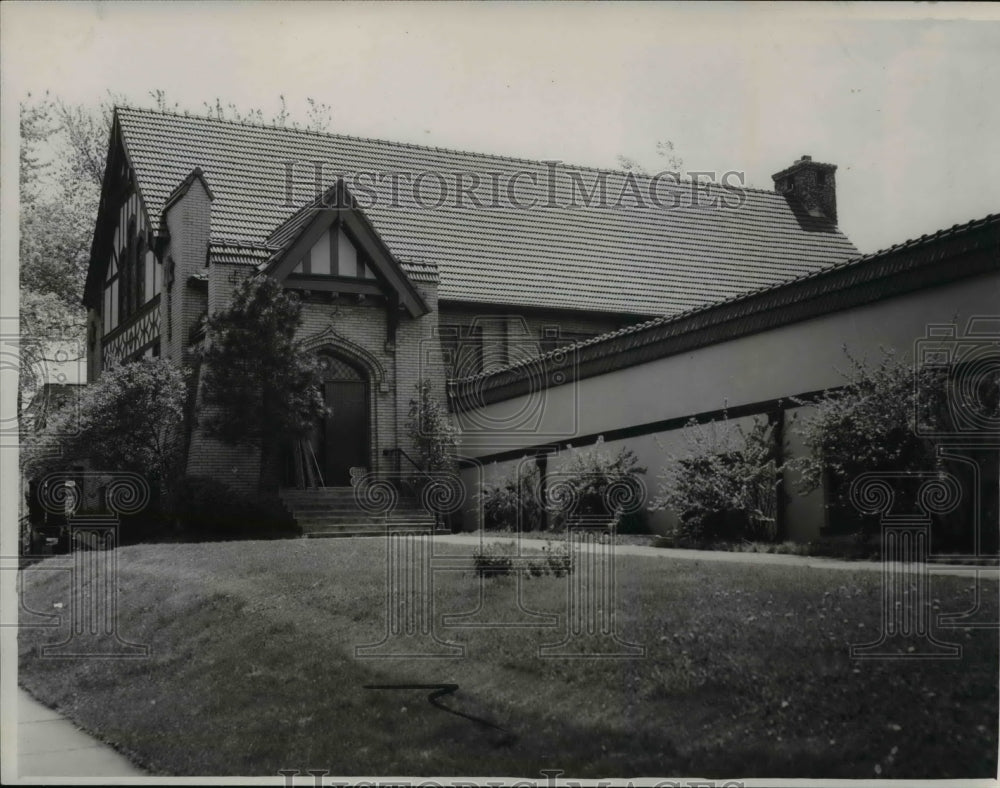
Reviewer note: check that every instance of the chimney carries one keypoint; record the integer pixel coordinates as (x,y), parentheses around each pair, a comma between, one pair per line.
(811,183)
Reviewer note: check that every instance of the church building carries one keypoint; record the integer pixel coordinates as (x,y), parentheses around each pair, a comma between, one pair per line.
(413,262)
(419,263)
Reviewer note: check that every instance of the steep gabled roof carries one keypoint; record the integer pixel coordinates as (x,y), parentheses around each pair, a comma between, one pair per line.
(338,206)
(182,188)
(646,260)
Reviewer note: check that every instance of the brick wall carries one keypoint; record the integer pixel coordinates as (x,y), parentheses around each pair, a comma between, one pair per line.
(237,466)
(352,329)
(418,355)
(359,332)
(189,222)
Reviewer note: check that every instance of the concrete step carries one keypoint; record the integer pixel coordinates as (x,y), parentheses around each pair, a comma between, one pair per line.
(334,511)
(321,511)
(333,533)
(316,495)
(364,526)
(341,506)
(319,498)
(357,522)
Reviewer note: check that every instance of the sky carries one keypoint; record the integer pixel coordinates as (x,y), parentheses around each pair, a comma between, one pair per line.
(903,98)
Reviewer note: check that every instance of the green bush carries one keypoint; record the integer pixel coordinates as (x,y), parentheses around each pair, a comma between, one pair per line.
(129,419)
(206,505)
(265,397)
(870,425)
(587,480)
(515,498)
(429,426)
(494,560)
(558,560)
(497,560)
(723,485)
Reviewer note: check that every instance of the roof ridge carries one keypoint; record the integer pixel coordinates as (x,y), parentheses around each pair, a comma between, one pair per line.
(437,148)
(909,242)
(242,243)
(687,313)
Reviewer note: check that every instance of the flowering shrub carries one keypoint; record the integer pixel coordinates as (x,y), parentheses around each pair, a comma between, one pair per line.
(868,424)
(557,560)
(724,484)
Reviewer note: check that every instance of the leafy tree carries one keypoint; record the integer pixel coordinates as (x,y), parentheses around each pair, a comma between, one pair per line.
(58,206)
(260,385)
(664,151)
(131,419)
(62,159)
(722,484)
(431,430)
(318,114)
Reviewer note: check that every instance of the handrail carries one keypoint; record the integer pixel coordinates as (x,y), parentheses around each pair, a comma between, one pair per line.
(315,462)
(400,451)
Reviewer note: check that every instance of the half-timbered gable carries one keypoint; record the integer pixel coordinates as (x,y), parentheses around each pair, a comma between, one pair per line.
(126,275)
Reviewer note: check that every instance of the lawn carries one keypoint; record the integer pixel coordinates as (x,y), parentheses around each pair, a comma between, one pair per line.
(746,673)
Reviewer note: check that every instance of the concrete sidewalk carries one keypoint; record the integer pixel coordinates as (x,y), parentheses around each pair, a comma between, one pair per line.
(722,556)
(49,745)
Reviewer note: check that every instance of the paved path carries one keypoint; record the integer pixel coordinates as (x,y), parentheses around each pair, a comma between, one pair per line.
(49,745)
(723,556)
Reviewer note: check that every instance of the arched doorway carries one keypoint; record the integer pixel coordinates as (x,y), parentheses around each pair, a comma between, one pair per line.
(342,441)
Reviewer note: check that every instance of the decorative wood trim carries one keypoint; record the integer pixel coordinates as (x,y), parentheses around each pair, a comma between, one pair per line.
(119,180)
(331,284)
(337,208)
(135,317)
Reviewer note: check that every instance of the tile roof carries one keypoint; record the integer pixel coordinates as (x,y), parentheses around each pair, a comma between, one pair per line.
(233,253)
(420,272)
(857,274)
(639,260)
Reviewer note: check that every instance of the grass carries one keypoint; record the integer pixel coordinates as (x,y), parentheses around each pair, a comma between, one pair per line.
(555,534)
(847,550)
(746,673)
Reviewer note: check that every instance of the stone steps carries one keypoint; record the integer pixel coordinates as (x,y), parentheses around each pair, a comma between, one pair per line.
(340,506)
(333,532)
(340,518)
(333,512)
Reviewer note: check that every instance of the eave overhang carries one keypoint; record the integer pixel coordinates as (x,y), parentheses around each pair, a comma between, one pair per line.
(338,206)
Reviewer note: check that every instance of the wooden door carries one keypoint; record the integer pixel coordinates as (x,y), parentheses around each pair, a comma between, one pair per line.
(345,430)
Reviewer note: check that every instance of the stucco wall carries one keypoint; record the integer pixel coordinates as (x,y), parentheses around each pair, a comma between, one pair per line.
(771,365)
